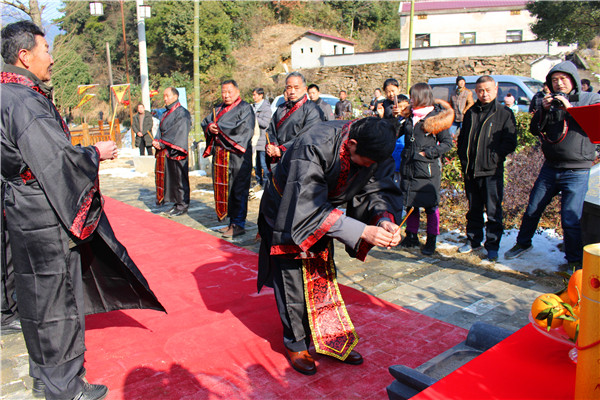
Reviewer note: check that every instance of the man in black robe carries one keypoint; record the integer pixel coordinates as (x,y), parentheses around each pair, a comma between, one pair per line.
(228,132)
(291,117)
(172,179)
(331,164)
(66,259)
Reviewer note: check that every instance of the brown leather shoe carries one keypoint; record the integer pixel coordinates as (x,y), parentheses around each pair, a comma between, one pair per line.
(302,362)
(354,358)
(233,231)
(224,229)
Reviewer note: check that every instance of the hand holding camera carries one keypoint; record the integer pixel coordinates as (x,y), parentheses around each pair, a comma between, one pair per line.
(556,100)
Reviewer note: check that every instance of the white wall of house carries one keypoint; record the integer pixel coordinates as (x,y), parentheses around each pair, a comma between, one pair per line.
(489,27)
(444,52)
(541,66)
(306,51)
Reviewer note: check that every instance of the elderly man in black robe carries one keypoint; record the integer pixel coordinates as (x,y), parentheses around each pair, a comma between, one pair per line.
(66,259)
(291,117)
(228,132)
(172,178)
(330,164)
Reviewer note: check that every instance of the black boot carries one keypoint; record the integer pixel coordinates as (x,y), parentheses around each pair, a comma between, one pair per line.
(411,240)
(429,247)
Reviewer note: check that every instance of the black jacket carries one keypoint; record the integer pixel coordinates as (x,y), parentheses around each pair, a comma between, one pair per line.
(421,175)
(146,129)
(570,148)
(486,140)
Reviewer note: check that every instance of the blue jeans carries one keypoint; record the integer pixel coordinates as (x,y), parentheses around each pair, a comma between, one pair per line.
(573,185)
(260,169)
(455,126)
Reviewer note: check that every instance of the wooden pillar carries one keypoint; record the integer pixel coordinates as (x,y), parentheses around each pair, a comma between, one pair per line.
(101,127)
(85,134)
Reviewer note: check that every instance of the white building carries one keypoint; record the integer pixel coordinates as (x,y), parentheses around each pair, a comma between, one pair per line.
(308,48)
(450,23)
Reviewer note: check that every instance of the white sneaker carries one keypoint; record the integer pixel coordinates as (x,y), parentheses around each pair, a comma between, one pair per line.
(467,248)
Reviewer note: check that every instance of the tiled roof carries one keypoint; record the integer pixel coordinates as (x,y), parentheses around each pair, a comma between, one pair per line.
(438,6)
(330,37)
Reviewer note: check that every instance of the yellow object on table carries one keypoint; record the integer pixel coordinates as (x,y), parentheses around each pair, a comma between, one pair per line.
(587,380)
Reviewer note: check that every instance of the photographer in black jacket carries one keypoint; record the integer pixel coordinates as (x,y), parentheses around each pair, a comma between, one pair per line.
(569,155)
(487,136)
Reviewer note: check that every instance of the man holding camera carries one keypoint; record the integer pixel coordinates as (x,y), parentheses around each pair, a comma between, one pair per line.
(566,170)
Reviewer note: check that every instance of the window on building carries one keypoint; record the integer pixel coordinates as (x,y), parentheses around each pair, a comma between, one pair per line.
(515,12)
(422,40)
(311,49)
(302,51)
(343,50)
(467,38)
(422,16)
(514,35)
(335,49)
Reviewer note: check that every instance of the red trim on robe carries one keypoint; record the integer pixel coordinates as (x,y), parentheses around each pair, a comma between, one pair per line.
(176,148)
(364,247)
(221,181)
(78,228)
(159,176)
(296,106)
(222,111)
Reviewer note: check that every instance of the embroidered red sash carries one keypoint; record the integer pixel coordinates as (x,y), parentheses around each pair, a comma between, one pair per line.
(159,175)
(221,181)
(220,165)
(332,330)
(292,110)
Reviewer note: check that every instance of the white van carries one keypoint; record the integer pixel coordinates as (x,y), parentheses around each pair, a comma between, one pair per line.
(521,87)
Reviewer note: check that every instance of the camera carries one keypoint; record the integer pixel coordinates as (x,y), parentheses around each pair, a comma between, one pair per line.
(555,102)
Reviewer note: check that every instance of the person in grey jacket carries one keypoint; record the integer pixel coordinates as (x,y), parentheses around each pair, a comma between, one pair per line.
(262,111)
(569,155)
(142,127)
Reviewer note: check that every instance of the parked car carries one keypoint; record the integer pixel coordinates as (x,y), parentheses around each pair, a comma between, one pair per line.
(329,99)
(521,87)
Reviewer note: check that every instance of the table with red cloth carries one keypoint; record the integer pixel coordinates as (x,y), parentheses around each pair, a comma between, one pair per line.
(526,365)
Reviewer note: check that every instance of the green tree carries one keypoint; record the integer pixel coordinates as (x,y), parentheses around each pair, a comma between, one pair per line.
(566,22)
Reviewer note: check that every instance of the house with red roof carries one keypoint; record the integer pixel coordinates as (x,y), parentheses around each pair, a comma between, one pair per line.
(465,22)
(310,46)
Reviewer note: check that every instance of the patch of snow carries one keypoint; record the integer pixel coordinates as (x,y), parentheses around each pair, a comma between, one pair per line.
(544,254)
(197,172)
(127,173)
(128,152)
(203,191)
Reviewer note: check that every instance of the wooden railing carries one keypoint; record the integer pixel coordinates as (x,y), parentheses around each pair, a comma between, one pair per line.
(88,135)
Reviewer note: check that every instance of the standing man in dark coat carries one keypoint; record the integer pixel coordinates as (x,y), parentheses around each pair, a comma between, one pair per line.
(66,259)
(229,131)
(343,108)
(291,117)
(487,136)
(262,113)
(142,126)
(324,108)
(172,178)
(330,164)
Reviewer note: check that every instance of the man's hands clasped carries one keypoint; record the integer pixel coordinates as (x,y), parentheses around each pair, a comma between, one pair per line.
(385,235)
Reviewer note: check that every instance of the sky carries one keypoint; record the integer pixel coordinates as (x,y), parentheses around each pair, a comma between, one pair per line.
(50,13)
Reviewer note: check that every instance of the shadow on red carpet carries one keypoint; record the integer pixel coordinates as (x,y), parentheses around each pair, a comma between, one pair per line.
(222,340)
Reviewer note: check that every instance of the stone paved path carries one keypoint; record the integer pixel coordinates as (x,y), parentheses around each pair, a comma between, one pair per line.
(452,288)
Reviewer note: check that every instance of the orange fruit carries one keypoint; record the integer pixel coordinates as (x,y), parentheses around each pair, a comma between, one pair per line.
(545,310)
(575,285)
(564,296)
(572,328)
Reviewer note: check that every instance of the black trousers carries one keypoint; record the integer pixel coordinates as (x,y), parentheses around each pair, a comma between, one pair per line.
(147,148)
(177,183)
(485,195)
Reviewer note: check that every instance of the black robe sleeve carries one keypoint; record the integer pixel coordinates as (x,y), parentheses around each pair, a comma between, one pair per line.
(236,128)
(174,131)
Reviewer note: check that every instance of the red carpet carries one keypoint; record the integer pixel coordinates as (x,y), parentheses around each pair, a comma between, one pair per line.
(222,340)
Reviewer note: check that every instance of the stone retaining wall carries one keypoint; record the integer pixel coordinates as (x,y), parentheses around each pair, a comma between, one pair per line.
(361,80)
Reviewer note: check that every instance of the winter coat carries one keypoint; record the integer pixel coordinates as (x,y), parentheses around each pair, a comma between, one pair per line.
(146,129)
(483,145)
(422,175)
(564,143)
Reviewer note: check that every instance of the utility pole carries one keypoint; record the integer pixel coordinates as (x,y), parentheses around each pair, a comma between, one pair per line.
(141,27)
(197,127)
(110,79)
(410,44)
(127,68)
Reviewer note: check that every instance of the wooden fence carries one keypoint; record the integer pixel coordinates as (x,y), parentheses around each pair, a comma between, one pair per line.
(86,135)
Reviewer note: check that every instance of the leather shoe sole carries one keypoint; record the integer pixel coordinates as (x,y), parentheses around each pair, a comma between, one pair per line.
(302,362)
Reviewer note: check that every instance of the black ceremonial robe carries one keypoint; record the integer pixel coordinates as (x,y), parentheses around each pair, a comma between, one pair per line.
(299,215)
(172,171)
(65,256)
(290,119)
(232,158)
